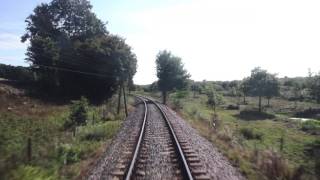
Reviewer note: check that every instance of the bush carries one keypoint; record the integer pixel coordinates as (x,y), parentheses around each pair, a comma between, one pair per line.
(99,131)
(31,173)
(177,105)
(274,166)
(308,113)
(250,133)
(69,154)
(232,107)
(255,115)
(311,126)
(79,111)
(181,94)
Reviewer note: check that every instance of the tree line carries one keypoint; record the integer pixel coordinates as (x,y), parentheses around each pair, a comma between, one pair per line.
(173,76)
(16,73)
(72,53)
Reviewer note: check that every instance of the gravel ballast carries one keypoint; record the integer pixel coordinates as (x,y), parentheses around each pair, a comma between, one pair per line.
(217,166)
(116,158)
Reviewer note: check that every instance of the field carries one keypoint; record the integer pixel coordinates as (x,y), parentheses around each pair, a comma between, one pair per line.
(35,144)
(263,147)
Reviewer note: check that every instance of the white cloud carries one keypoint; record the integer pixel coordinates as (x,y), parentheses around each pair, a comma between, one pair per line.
(10,41)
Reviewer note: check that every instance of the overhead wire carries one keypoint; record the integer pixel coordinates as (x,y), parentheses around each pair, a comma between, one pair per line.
(71,70)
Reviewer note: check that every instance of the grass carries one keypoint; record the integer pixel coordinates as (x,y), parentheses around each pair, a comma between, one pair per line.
(266,147)
(55,153)
(311,126)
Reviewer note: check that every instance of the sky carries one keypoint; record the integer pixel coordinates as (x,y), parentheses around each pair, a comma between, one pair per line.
(217,40)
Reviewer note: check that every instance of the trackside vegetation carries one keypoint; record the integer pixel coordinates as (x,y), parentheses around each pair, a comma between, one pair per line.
(269,133)
(39,143)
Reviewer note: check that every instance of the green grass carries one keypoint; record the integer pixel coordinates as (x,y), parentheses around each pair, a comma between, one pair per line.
(56,154)
(275,137)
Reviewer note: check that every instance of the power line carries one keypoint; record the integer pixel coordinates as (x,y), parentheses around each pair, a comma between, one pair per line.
(70,70)
(74,71)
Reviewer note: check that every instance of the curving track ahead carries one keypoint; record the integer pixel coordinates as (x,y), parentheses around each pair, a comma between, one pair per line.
(150,148)
(158,152)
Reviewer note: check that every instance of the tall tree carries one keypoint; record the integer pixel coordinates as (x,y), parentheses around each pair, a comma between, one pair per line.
(214,99)
(263,84)
(170,72)
(272,87)
(72,52)
(244,88)
(314,86)
(195,88)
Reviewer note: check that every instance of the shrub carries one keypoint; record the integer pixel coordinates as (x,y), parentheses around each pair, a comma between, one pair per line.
(69,154)
(79,111)
(311,126)
(31,173)
(255,115)
(225,135)
(99,131)
(250,133)
(177,104)
(232,107)
(193,112)
(308,113)
(181,94)
(274,166)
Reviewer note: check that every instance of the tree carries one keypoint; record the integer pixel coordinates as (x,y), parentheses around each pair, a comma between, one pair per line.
(272,87)
(314,86)
(79,113)
(72,52)
(297,87)
(214,99)
(170,72)
(195,88)
(263,84)
(245,89)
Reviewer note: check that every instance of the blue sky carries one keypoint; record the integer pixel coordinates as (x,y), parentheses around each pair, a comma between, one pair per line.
(217,40)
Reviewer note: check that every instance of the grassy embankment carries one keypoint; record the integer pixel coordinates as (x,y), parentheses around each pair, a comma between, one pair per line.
(34,143)
(263,148)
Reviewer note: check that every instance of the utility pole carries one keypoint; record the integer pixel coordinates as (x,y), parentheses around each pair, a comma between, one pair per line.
(119,99)
(125,100)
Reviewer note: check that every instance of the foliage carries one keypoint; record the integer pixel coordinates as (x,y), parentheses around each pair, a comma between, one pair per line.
(232,107)
(262,83)
(73,54)
(254,115)
(244,88)
(314,85)
(69,154)
(98,132)
(53,149)
(177,97)
(79,112)
(308,113)
(18,73)
(195,88)
(32,173)
(214,98)
(311,126)
(170,72)
(250,133)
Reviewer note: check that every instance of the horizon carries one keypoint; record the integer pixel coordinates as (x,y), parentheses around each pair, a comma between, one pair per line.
(217,41)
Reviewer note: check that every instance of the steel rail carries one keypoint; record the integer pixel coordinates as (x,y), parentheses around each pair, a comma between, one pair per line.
(138,146)
(185,165)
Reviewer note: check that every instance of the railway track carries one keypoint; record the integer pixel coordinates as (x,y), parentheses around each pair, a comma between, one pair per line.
(156,151)
(151,146)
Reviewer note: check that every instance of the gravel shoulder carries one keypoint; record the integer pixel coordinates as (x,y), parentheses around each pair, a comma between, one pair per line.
(218,167)
(117,150)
